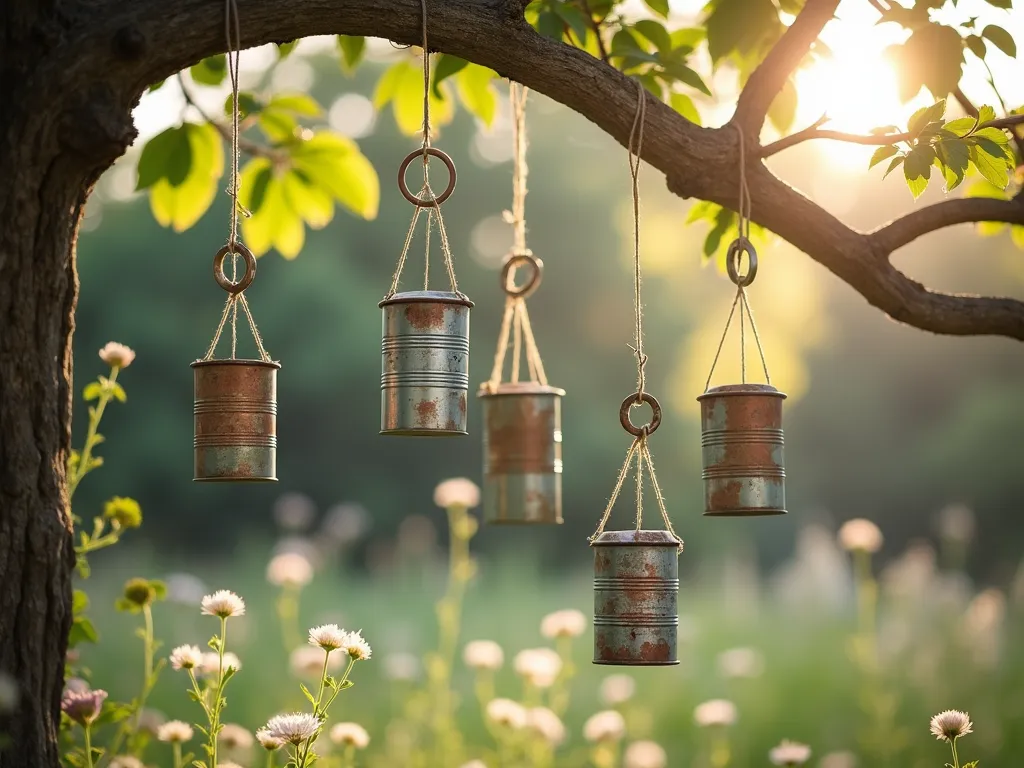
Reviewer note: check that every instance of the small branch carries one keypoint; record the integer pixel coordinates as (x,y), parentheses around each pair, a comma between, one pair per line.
(962,210)
(813,132)
(971,110)
(771,75)
(248,147)
(964,102)
(597,30)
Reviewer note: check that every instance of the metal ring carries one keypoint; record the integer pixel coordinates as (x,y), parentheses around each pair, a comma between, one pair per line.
(628,403)
(531,284)
(404,189)
(738,247)
(218,268)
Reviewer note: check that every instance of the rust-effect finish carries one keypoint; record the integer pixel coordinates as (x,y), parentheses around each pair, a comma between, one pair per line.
(235,420)
(424,378)
(744,465)
(522,453)
(636,591)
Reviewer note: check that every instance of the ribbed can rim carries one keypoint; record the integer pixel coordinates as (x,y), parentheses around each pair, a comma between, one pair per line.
(438,297)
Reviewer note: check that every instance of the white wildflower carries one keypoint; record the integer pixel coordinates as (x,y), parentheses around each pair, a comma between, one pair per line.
(175,731)
(211,664)
(293,728)
(860,535)
(457,492)
(604,726)
(294,511)
(228,765)
(956,523)
(307,662)
(951,724)
(475,764)
(740,662)
(330,637)
(267,740)
(645,754)
(117,355)
(289,569)
(126,761)
(617,689)
(565,623)
(715,712)
(506,712)
(789,753)
(350,734)
(547,724)
(483,654)
(401,667)
(223,603)
(539,666)
(234,736)
(838,760)
(186,657)
(356,647)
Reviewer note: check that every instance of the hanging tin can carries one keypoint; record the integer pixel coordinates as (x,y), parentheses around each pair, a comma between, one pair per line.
(742,445)
(235,420)
(424,363)
(636,591)
(522,453)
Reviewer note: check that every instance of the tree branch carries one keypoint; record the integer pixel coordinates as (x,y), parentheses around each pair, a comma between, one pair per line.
(771,75)
(697,162)
(246,146)
(963,210)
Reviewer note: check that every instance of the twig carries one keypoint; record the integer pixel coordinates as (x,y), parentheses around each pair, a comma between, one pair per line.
(249,147)
(597,30)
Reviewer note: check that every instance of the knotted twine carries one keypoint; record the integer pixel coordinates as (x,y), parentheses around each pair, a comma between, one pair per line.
(232,31)
(516,319)
(741,294)
(434,211)
(640,450)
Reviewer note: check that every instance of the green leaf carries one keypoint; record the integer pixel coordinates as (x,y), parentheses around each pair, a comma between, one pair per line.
(258,188)
(313,203)
(180,206)
(917,169)
(82,631)
(684,105)
(954,157)
(118,391)
(656,33)
(990,159)
(896,163)
(278,126)
(624,43)
(1001,39)
(210,71)
(976,45)
(284,49)
(352,48)
(922,117)
(447,65)
(882,153)
(961,126)
(782,111)
(686,75)
(247,104)
(660,7)
(996,135)
(576,19)
(932,56)
(477,94)
(79,602)
(296,103)
(402,86)
(92,391)
(126,606)
(550,25)
(689,37)
(986,114)
(155,157)
(307,694)
(335,164)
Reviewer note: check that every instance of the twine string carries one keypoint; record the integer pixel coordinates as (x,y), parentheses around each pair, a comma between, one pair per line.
(637,132)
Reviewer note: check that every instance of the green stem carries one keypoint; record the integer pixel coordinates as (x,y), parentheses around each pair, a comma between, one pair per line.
(218,704)
(88,745)
(129,729)
(288,613)
(956,757)
(177,754)
(270,758)
(90,435)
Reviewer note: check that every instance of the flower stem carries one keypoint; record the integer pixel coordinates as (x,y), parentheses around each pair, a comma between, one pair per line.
(219,702)
(88,745)
(956,757)
(96,414)
(177,754)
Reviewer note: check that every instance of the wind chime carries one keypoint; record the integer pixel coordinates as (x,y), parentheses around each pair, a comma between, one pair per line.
(741,424)
(425,348)
(522,419)
(235,399)
(636,572)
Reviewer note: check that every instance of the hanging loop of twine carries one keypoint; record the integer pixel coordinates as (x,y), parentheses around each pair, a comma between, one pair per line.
(235,285)
(427,199)
(639,451)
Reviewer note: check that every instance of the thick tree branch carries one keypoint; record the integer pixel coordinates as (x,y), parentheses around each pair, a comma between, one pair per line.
(697,162)
(769,78)
(964,210)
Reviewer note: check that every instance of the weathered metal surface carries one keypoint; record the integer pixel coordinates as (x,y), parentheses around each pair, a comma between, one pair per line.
(636,591)
(424,378)
(744,464)
(235,420)
(522,453)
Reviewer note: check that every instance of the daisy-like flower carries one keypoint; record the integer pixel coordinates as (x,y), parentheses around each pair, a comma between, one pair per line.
(483,654)
(457,492)
(604,726)
(355,646)
(228,765)
(186,657)
(951,724)
(645,754)
(547,724)
(307,662)
(475,764)
(117,355)
(838,760)
(350,735)
(175,731)
(539,666)
(860,535)
(210,664)
(126,761)
(789,753)
(235,736)
(83,706)
(267,740)
(617,689)
(565,623)
(150,721)
(223,603)
(506,712)
(715,712)
(330,637)
(289,569)
(293,728)
(740,662)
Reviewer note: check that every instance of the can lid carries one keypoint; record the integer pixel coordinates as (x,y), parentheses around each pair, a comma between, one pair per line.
(438,297)
(742,389)
(518,388)
(635,538)
(235,361)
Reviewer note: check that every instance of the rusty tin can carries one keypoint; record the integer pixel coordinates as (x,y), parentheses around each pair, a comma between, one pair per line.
(742,444)
(424,381)
(235,420)
(522,453)
(636,591)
